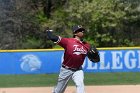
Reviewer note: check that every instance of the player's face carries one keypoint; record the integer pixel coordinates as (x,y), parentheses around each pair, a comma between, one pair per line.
(80,34)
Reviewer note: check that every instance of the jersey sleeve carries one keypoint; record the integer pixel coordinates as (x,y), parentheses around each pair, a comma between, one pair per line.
(62,42)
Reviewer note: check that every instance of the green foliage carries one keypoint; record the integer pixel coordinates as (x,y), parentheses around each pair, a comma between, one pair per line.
(103,19)
(109,23)
(41,17)
(99,16)
(32,43)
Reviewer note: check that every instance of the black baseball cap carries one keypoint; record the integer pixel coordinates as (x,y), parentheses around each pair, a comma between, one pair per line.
(77,28)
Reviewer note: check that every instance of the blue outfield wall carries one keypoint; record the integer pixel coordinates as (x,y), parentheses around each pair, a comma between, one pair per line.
(49,61)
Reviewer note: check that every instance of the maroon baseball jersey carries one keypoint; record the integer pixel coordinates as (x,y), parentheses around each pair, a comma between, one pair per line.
(75,51)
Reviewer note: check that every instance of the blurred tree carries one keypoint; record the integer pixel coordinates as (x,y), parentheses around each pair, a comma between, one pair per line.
(109,23)
(19,26)
(105,20)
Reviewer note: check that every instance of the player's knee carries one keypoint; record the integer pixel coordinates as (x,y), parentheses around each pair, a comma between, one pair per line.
(79,83)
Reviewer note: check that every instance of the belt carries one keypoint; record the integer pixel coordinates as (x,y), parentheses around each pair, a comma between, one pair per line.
(72,69)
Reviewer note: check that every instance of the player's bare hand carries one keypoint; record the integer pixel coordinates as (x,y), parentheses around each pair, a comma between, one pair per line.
(48,29)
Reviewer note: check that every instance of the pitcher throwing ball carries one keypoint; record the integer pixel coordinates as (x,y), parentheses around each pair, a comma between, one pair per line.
(75,52)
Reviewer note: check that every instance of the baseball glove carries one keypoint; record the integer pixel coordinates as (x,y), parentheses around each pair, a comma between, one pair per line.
(93,54)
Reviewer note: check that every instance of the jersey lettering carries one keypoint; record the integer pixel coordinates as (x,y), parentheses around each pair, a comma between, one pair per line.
(79,50)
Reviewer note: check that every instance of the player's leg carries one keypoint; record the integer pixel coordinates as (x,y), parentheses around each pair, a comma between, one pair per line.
(78,78)
(64,76)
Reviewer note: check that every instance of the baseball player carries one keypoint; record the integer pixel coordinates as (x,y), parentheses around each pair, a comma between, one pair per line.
(74,55)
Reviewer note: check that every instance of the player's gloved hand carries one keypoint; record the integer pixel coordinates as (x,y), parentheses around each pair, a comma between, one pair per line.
(93,54)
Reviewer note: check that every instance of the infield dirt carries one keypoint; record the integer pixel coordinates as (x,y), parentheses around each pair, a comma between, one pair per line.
(71,89)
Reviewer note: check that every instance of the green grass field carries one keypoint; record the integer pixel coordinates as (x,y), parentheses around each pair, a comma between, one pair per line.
(50,79)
